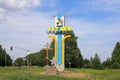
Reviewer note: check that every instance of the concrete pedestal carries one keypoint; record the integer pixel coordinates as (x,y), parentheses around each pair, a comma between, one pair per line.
(60,67)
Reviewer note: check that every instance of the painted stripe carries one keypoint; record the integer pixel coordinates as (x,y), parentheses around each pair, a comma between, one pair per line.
(63,48)
(59,56)
(55,45)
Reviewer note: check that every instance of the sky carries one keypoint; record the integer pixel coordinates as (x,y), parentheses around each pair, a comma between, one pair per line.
(96,23)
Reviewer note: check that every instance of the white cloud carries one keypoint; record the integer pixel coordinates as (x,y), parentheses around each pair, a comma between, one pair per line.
(95,37)
(27,31)
(2,14)
(36,2)
(2,10)
(19,4)
(22,26)
(11,7)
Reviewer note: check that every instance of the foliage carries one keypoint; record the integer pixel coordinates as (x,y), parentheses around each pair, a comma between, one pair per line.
(19,61)
(93,63)
(72,52)
(107,63)
(5,59)
(96,63)
(115,65)
(86,63)
(39,58)
(116,56)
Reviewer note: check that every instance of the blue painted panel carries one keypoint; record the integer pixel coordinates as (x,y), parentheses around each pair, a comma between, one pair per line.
(59,56)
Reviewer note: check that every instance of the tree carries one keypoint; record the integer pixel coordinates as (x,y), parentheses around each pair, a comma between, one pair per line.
(18,61)
(72,52)
(107,63)
(39,58)
(96,63)
(86,63)
(5,59)
(32,58)
(116,56)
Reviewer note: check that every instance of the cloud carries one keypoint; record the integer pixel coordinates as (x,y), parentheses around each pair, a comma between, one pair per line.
(2,10)
(11,7)
(20,26)
(19,4)
(26,31)
(2,14)
(95,37)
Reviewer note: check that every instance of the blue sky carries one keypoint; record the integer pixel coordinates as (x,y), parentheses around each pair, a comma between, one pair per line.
(23,23)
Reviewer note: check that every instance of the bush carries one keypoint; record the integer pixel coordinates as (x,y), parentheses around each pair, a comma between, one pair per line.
(115,65)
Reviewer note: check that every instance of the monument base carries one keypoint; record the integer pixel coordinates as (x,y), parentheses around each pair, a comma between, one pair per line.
(51,70)
(60,67)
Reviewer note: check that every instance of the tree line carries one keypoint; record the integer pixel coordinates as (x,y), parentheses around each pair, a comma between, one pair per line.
(5,59)
(73,57)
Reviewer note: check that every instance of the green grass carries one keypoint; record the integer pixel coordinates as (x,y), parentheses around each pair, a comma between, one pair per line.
(27,73)
(107,74)
(37,73)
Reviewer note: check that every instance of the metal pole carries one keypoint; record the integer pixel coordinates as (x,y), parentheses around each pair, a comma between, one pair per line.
(47,56)
(13,60)
(69,64)
(28,58)
(5,61)
(28,52)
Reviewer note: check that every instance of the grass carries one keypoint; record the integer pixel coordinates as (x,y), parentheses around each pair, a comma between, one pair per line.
(27,73)
(19,73)
(107,74)
(38,73)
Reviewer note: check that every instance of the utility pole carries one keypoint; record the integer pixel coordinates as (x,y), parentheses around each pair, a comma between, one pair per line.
(47,49)
(5,61)
(28,52)
(28,61)
(11,48)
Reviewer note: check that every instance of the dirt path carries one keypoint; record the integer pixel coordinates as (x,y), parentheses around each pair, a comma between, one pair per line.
(73,74)
(52,71)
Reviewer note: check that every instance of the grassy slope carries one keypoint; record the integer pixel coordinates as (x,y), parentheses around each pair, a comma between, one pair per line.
(37,73)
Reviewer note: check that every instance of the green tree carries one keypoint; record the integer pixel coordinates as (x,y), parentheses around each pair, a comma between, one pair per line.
(86,63)
(107,63)
(96,63)
(18,61)
(32,58)
(115,65)
(5,59)
(72,52)
(116,56)
(39,58)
